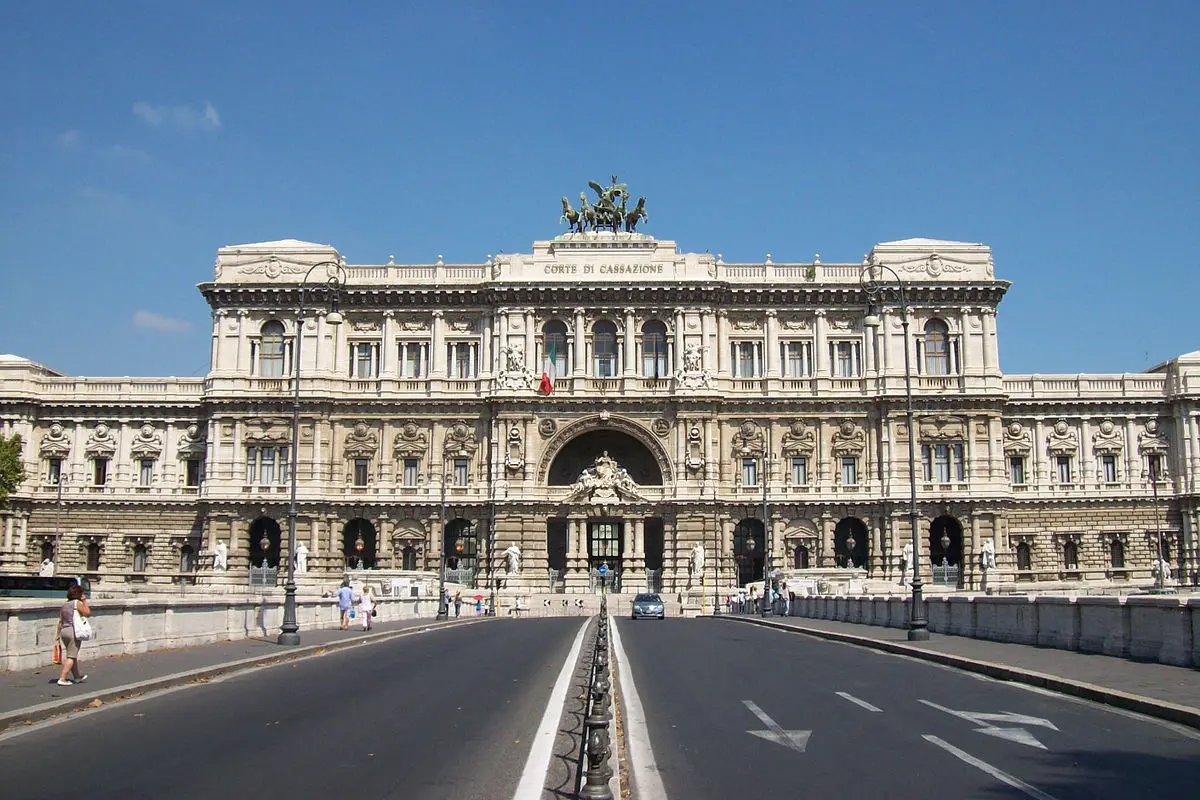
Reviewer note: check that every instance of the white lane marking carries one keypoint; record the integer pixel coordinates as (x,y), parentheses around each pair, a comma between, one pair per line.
(1017,734)
(857,702)
(998,774)
(533,778)
(643,769)
(797,740)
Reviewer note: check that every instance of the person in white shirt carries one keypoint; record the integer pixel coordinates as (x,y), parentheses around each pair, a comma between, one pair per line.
(366,605)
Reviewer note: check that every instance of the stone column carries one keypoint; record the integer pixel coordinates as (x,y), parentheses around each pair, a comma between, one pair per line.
(218,323)
(826,556)
(578,357)
(989,340)
(707,332)
(627,342)
(488,355)
(1085,452)
(1132,467)
(438,368)
(8,532)
(723,368)
(772,343)
(1039,453)
(821,356)
(530,342)
(995,448)
(314,536)
(677,366)
(340,350)
(387,347)
(243,348)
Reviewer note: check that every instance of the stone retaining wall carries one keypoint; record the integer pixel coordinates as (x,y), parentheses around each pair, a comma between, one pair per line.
(27,627)
(1147,628)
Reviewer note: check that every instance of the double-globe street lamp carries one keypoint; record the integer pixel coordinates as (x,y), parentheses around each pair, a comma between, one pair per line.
(873,280)
(443,611)
(335,279)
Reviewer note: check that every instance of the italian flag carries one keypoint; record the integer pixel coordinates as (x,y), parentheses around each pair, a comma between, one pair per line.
(547,384)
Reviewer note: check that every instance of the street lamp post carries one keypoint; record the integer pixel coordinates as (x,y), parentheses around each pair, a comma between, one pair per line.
(870,279)
(443,611)
(290,629)
(766,598)
(1161,581)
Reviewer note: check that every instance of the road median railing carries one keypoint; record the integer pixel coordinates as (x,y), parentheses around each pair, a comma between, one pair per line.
(597,739)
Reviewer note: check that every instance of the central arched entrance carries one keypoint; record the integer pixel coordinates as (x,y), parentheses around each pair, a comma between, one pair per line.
(359,546)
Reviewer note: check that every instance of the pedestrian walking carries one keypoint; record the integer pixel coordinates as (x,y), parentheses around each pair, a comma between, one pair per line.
(457,604)
(345,598)
(66,634)
(366,607)
(478,606)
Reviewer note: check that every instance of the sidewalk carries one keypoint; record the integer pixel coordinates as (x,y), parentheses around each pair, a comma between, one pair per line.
(1157,690)
(32,695)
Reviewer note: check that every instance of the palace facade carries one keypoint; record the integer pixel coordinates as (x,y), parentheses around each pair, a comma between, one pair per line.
(704,419)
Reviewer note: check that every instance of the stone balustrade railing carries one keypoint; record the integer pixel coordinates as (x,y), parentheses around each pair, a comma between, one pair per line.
(27,627)
(1149,628)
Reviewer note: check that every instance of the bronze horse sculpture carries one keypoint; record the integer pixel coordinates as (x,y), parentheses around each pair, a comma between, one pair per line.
(571,217)
(639,212)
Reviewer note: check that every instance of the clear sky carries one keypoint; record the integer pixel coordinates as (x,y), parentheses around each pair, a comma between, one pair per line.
(137,138)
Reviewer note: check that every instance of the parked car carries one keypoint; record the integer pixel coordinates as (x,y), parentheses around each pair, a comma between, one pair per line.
(648,605)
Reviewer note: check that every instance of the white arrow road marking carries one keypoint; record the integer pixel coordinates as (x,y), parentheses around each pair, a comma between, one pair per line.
(998,774)
(796,740)
(857,702)
(1018,735)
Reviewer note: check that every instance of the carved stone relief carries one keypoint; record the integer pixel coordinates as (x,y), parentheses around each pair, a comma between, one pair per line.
(1063,440)
(55,443)
(1017,440)
(749,440)
(410,442)
(514,450)
(101,442)
(799,440)
(694,460)
(460,441)
(362,442)
(1108,440)
(848,439)
(147,444)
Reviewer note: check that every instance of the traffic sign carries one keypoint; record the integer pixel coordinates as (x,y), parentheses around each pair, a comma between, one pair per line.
(603,570)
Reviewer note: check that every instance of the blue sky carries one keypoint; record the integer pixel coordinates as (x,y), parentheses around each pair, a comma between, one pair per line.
(138,138)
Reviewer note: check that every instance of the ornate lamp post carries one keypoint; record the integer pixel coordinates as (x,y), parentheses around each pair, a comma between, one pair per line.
(336,279)
(443,611)
(870,278)
(1161,580)
(766,598)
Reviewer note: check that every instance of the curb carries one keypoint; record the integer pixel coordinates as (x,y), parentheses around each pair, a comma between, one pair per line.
(42,711)
(1160,709)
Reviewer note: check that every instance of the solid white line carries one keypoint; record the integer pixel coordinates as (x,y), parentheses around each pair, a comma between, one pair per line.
(857,702)
(533,779)
(998,774)
(644,776)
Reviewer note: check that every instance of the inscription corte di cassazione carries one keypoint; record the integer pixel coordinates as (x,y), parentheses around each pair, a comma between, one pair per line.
(604,269)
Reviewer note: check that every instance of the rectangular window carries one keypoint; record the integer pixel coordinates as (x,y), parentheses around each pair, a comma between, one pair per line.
(410,471)
(654,355)
(193,472)
(364,360)
(943,463)
(800,471)
(413,359)
(1063,465)
(146,472)
(746,359)
(1108,468)
(1154,467)
(99,471)
(749,472)
(796,358)
(266,465)
(1016,470)
(460,472)
(362,468)
(54,471)
(845,359)
(460,357)
(849,470)
(606,356)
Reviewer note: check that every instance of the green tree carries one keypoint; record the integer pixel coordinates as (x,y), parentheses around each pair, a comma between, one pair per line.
(12,470)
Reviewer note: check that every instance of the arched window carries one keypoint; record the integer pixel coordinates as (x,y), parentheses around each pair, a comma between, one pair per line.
(139,558)
(1116,554)
(937,348)
(800,557)
(1070,555)
(1024,557)
(554,346)
(93,557)
(654,349)
(604,349)
(270,350)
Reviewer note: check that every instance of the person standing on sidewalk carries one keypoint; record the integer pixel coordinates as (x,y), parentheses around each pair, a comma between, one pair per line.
(366,605)
(345,598)
(66,633)
(457,604)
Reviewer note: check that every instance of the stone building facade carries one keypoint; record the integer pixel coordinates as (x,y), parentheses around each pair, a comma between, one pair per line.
(702,413)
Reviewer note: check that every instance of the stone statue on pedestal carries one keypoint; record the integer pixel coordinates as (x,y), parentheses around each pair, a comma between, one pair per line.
(906,559)
(696,565)
(301,559)
(220,557)
(512,559)
(47,568)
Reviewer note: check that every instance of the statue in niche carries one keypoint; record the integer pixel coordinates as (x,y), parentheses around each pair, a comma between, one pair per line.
(987,556)
(220,557)
(301,559)
(906,560)
(512,559)
(605,480)
(696,565)
(693,357)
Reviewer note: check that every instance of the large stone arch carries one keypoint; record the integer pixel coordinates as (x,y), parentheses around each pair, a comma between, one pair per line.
(602,422)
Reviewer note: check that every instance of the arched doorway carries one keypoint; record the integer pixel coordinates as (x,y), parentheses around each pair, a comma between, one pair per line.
(359,545)
(264,530)
(946,550)
(748,550)
(850,539)
(461,546)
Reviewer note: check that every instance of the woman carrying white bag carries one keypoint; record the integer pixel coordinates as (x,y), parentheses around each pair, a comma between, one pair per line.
(73,629)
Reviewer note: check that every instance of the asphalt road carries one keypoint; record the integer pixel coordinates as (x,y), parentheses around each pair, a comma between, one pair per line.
(444,714)
(902,729)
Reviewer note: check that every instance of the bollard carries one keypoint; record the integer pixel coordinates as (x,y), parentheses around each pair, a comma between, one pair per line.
(596,785)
